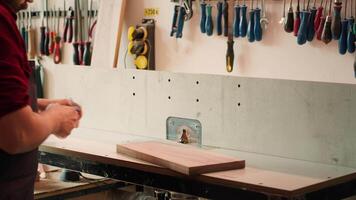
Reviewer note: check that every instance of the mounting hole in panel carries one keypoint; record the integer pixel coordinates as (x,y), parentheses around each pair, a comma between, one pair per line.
(239,104)
(238,85)
(197,100)
(197,82)
(134,94)
(134,77)
(169,80)
(169,97)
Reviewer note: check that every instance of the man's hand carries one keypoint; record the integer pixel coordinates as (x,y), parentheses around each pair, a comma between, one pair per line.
(44,103)
(67,118)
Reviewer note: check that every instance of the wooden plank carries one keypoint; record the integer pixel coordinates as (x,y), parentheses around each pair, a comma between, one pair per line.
(108,34)
(181,158)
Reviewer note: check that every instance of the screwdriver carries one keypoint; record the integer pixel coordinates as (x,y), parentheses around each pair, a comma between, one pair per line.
(302,33)
(237,10)
(243,22)
(283,19)
(230,55)
(311,29)
(258,29)
(43,32)
(251,25)
(180,26)
(326,36)
(297,19)
(57,55)
(336,21)
(52,34)
(226,18)
(203,16)
(343,35)
(219,7)
(87,51)
(321,23)
(351,35)
(209,20)
(77,33)
(47,38)
(31,38)
(288,27)
(318,16)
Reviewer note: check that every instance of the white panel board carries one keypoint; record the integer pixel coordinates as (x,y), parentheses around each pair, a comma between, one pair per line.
(294,119)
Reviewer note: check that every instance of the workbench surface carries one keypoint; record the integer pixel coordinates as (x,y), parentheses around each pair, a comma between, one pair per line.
(263,174)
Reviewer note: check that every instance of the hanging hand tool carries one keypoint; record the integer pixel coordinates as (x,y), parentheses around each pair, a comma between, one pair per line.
(219,7)
(302,33)
(326,36)
(311,29)
(264,21)
(31,38)
(226,17)
(319,14)
(283,19)
(188,7)
(47,37)
(343,35)
(251,25)
(336,21)
(354,26)
(237,14)
(230,55)
(175,20)
(320,29)
(203,16)
(43,31)
(87,51)
(57,54)
(351,35)
(68,29)
(258,29)
(24,33)
(209,20)
(77,33)
(289,26)
(297,20)
(52,33)
(243,22)
(181,19)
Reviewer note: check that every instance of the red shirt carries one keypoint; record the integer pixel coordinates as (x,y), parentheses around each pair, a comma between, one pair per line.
(14,68)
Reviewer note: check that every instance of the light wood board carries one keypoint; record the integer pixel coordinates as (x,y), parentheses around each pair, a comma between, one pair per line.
(181,158)
(108,35)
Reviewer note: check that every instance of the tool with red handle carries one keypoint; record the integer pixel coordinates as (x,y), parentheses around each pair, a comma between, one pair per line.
(297,19)
(68,29)
(319,14)
(320,29)
(57,55)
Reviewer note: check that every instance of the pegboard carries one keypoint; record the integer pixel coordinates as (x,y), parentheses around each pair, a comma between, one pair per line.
(311,121)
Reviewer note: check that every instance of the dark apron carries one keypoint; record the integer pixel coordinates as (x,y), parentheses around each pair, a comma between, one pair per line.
(18,172)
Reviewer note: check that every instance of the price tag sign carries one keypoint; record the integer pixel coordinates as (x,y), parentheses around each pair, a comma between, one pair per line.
(151,12)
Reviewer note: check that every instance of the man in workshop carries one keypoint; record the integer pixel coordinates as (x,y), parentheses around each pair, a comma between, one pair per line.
(22,128)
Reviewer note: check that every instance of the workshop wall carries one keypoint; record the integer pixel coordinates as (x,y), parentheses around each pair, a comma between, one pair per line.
(277,56)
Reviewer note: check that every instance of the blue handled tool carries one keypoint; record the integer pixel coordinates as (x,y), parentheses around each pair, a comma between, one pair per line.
(311,28)
(203,17)
(219,7)
(237,14)
(175,19)
(302,33)
(351,35)
(209,21)
(343,34)
(251,25)
(180,25)
(243,22)
(258,29)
